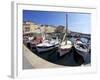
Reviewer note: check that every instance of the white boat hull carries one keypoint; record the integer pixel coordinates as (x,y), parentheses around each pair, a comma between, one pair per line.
(45,48)
(65,48)
(81,51)
(64,51)
(83,54)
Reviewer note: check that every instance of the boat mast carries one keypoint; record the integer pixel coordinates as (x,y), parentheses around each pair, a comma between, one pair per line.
(66,27)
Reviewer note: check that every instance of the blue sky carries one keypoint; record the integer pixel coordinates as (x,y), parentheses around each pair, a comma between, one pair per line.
(79,22)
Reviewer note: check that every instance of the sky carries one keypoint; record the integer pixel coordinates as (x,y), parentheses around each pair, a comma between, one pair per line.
(78,22)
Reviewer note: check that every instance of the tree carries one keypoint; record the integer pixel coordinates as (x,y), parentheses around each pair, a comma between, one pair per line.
(59,29)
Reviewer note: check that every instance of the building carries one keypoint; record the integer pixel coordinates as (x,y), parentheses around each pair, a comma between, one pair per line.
(29,27)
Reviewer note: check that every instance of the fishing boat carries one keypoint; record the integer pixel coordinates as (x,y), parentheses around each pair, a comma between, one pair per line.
(65,48)
(35,42)
(66,45)
(81,48)
(47,45)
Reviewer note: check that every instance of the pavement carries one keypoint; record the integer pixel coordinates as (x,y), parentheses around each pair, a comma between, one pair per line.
(26,64)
